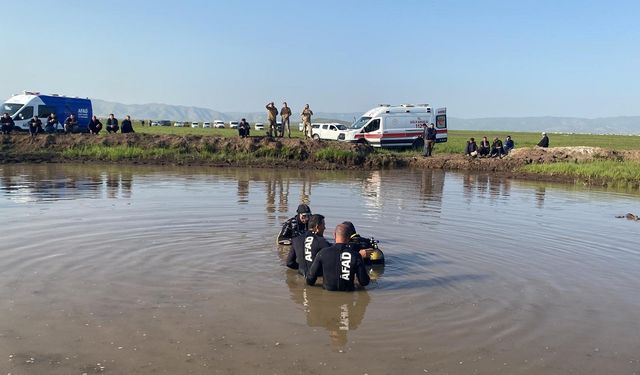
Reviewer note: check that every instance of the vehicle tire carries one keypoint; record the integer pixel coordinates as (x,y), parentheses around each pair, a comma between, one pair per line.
(316,137)
(418,144)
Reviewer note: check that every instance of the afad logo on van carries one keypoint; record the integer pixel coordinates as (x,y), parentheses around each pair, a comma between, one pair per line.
(83,112)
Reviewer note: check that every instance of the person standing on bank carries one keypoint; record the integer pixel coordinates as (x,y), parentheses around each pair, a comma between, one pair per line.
(306,120)
(127,126)
(7,123)
(544,142)
(305,247)
(272,116)
(95,125)
(339,264)
(429,140)
(112,124)
(35,127)
(285,112)
(70,124)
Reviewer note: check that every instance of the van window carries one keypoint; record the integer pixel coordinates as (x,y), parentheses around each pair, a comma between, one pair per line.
(441,121)
(372,126)
(11,108)
(27,112)
(325,127)
(332,128)
(45,111)
(315,126)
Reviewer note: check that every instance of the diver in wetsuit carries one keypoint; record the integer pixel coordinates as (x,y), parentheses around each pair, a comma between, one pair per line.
(305,247)
(373,254)
(295,226)
(339,264)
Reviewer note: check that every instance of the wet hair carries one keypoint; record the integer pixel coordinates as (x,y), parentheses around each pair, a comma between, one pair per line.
(350,227)
(315,220)
(343,232)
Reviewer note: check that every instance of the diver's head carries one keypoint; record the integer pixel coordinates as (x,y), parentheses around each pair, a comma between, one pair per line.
(316,224)
(304,212)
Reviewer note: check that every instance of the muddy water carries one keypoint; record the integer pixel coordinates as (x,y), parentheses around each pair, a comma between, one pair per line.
(123,270)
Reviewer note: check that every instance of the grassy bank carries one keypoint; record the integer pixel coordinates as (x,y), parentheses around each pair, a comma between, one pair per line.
(620,173)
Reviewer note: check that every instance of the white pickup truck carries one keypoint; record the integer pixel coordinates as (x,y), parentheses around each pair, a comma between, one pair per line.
(327,131)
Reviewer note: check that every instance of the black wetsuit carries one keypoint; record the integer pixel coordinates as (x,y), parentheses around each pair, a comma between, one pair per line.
(304,250)
(340,264)
(292,228)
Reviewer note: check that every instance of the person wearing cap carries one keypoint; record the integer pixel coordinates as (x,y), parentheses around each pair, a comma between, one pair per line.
(285,113)
(272,115)
(544,142)
(304,248)
(339,264)
(306,120)
(295,226)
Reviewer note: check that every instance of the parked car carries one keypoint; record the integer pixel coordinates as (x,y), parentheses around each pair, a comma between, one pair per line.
(233,124)
(178,124)
(164,123)
(195,124)
(218,124)
(327,131)
(259,126)
(154,123)
(206,124)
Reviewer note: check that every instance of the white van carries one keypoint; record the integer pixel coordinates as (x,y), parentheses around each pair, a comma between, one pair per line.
(397,126)
(206,124)
(219,124)
(195,124)
(233,124)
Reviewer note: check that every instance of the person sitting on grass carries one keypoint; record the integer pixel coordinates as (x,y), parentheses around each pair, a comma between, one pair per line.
(508,145)
(127,126)
(70,124)
(112,124)
(544,142)
(472,148)
(496,148)
(7,123)
(484,147)
(95,125)
(35,127)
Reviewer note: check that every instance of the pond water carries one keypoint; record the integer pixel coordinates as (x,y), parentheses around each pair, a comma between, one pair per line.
(134,270)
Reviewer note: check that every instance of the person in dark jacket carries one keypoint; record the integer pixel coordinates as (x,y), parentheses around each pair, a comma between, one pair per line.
(472,148)
(544,142)
(429,140)
(52,124)
(340,264)
(496,148)
(485,147)
(508,145)
(305,247)
(112,124)
(95,125)
(127,126)
(295,226)
(70,124)
(243,128)
(7,123)
(35,126)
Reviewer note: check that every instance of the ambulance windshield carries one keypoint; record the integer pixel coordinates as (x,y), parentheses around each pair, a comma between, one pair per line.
(10,108)
(362,121)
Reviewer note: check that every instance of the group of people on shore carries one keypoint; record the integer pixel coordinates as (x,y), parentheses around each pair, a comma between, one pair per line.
(486,149)
(496,148)
(285,115)
(313,256)
(69,125)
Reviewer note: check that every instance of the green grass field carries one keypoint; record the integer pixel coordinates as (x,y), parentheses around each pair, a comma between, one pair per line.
(455,144)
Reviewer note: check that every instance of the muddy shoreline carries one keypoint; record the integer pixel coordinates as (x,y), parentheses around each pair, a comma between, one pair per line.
(266,152)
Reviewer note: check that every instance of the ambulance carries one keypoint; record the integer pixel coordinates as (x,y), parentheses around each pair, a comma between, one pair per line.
(397,126)
(24,106)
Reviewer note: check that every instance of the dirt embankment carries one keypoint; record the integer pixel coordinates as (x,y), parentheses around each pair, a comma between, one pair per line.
(284,152)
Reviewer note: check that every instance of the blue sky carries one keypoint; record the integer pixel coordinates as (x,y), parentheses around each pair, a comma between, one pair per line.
(477,58)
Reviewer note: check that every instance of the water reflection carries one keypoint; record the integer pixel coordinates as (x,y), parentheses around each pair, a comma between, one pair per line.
(336,312)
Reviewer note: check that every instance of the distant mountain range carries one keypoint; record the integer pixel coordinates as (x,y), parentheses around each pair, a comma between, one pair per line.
(156,111)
